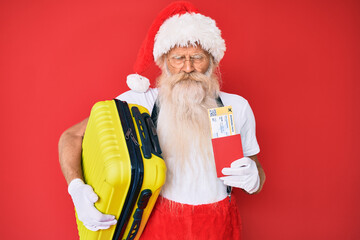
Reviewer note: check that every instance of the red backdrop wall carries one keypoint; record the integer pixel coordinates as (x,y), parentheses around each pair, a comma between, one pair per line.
(297,62)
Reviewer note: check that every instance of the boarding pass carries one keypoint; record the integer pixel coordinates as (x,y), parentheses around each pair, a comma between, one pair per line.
(221,121)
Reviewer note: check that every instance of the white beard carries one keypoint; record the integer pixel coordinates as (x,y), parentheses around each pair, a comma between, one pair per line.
(185,135)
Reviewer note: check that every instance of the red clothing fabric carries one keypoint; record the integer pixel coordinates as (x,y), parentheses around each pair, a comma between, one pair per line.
(171,220)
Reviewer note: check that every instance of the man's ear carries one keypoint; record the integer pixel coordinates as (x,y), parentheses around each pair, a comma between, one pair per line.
(160,62)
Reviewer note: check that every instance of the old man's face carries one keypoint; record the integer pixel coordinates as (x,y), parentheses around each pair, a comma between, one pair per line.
(188,59)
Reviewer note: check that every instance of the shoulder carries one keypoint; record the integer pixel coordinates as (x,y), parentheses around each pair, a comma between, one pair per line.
(150,93)
(236,101)
(146,99)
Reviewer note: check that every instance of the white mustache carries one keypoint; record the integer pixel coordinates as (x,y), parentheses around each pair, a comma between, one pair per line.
(183,76)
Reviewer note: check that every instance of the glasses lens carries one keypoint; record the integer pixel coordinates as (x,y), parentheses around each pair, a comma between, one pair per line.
(198,59)
(178,61)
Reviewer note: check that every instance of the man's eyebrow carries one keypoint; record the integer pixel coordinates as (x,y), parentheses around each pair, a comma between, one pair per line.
(177,55)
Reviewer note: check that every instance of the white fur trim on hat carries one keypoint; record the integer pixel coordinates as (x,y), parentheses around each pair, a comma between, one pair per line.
(189,29)
(137,83)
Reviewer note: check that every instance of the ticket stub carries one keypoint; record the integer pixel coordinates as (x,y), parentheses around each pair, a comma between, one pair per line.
(221,121)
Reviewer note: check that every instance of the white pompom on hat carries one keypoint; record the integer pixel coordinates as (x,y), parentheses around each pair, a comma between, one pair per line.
(137,83)
(179,24)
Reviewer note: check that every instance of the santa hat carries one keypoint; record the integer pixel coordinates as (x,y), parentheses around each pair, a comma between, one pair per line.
(179,24)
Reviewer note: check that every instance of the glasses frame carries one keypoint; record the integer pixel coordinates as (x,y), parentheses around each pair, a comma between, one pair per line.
(183,58)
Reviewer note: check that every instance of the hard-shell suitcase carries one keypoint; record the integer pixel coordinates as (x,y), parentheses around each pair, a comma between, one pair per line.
(121,160)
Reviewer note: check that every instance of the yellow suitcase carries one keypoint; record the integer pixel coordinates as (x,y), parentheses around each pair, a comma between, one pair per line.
(121,160)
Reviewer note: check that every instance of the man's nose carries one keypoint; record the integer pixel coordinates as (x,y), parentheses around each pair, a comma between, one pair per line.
(188,66)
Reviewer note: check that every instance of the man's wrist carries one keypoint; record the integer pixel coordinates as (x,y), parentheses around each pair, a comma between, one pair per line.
(75,183)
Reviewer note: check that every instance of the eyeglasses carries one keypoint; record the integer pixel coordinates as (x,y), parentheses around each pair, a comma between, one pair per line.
(196,60)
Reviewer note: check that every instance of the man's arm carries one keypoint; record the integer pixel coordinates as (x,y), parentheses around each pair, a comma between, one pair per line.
(261,172)
(70,151)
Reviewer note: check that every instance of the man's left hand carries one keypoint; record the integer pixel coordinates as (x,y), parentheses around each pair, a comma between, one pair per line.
(244,174)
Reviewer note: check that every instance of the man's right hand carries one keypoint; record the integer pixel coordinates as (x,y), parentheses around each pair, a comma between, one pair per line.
(84,197)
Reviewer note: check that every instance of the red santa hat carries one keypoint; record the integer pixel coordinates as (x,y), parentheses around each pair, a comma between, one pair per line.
(179,24)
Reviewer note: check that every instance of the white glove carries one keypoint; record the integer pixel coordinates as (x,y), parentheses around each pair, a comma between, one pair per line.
(84,197)
(244,174)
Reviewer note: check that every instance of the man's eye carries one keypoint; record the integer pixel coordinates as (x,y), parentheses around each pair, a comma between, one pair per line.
(178,57)
(197,57)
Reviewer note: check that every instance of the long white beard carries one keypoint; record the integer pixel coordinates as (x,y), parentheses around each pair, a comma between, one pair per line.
(183,126)
(183,122)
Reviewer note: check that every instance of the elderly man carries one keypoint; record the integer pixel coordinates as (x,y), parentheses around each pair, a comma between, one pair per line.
(194,203)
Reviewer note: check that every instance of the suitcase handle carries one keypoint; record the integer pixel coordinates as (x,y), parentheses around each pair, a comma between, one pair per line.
(153,135)
(142,203)
(143,132)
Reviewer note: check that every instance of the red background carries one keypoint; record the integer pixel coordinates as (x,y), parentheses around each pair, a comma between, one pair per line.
(297,62)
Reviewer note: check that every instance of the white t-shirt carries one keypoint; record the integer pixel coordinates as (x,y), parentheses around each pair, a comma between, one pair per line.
(208,188)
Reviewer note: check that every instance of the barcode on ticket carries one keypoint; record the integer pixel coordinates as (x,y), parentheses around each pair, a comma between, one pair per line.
(212,112)
(221,121)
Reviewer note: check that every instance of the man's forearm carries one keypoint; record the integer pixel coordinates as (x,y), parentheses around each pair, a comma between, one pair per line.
(70,156)
(70,144)
(261,172)
(262,178)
